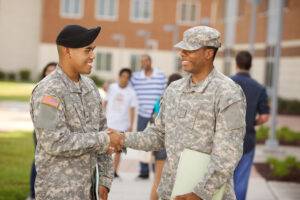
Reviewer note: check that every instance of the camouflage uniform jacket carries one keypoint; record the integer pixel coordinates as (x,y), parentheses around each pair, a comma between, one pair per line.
(207,117)
(71,137)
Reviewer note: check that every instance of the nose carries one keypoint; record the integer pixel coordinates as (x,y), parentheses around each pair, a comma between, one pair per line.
(92,55)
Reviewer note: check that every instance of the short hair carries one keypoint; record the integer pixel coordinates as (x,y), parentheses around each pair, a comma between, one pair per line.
(147,56)
(173,77)
(43,75)
(215,49)
(127,70)
(243,60)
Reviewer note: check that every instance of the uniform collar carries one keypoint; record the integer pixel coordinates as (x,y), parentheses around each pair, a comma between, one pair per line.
(187,85)
(84,86)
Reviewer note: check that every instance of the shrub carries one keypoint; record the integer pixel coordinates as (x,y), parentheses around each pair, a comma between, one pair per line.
(24,74)
(287,135)
(262,133)
(99,82)
(283,168)
(288,106)
(2,75)
(11,76)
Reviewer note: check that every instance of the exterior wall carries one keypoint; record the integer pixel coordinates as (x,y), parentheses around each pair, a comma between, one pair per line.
(120,59)
(39,21)
(19,34)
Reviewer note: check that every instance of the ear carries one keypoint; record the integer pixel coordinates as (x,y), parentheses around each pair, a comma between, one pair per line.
(209,53)
(67,51)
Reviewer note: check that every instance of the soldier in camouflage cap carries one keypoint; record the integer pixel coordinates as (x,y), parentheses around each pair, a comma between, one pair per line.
(199,36)
(205,112)
(70,126)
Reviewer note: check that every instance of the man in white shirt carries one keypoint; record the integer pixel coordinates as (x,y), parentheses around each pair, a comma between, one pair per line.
(120,105)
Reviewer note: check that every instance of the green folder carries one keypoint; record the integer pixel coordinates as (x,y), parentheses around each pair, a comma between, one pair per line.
(192,167)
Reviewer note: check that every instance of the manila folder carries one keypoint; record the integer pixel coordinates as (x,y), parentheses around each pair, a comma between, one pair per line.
(192,167)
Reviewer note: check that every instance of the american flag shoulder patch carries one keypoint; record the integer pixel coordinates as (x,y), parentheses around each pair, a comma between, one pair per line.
(50,101)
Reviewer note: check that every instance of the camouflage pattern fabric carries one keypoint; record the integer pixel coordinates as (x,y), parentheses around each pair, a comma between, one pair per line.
(207,117)
(199,36)
(71,137)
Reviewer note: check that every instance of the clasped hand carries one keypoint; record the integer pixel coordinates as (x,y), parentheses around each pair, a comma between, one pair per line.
(116,141)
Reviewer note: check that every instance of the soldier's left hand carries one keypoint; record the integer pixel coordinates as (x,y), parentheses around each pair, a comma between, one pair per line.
(103,193)
(188,196)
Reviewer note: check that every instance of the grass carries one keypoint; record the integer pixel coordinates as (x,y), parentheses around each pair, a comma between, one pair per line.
(15,91)
(16,150)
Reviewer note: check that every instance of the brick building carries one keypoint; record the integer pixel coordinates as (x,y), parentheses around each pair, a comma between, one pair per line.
(133,27)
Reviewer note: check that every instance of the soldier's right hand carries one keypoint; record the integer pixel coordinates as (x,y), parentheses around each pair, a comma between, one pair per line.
(116,140)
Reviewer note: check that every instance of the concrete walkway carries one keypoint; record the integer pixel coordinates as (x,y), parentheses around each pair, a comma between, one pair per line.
(15,116)
(127,188)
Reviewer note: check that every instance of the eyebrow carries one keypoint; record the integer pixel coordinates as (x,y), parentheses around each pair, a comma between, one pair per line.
(90,47)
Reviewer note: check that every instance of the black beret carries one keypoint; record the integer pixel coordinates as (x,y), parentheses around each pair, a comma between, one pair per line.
(75,36)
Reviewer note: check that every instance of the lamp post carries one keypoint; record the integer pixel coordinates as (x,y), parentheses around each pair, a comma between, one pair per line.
(252,31)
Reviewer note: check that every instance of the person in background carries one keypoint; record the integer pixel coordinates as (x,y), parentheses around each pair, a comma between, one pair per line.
(149,84)
(257,113)
(120,106)
(50,67)
(161,155)
(104,88)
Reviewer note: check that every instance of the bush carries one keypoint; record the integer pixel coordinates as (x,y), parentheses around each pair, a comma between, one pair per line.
(262,133)
(284,135)
(2,75)
(24,75)
(283,168)
(99,82)
(288,107)
(287,135)
(11,76)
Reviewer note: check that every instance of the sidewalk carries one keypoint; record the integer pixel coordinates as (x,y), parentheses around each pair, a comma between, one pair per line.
(15,116)
(127,188)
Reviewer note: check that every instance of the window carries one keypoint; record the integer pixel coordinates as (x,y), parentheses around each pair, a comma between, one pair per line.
(103,61)
(71,8)
(189,11)
(135,62)
(141,10)
(107,9)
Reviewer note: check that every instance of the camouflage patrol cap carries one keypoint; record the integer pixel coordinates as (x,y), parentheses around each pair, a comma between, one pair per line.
(199,36)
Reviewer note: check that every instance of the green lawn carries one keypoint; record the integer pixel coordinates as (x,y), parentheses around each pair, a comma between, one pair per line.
(16,150)
(15,91)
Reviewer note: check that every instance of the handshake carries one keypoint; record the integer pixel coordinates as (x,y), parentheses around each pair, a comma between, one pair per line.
(116,141)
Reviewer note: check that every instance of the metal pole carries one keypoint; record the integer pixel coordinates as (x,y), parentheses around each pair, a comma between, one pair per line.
(276,11)
(230,29)
(252,31)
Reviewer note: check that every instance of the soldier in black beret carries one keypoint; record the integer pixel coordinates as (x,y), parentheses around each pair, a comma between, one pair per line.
(71,130)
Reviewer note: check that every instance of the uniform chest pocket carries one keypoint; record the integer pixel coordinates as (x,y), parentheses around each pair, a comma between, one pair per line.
(186,116)
(205,119)
(72,116)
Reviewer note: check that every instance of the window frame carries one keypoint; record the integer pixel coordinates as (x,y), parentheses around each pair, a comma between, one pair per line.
(189,22)
(63,14)
(141,19)
(106,67)
(98,16)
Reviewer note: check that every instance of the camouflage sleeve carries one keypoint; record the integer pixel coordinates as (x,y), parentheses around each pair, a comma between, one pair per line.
(227,146)
(53,133)
(106,170)
(105,161)
(152,138)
